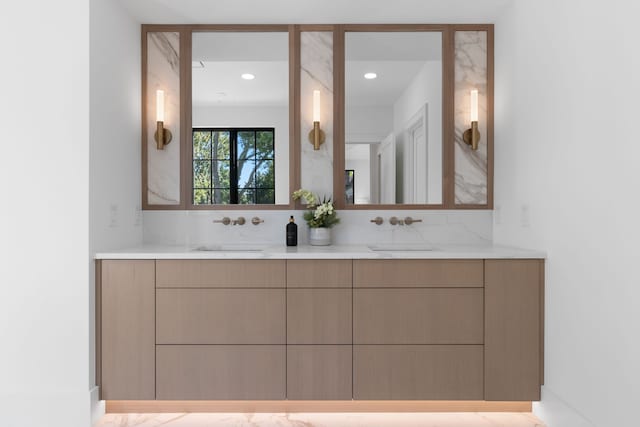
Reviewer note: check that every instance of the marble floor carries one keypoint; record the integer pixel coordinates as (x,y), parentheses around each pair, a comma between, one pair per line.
(483,419)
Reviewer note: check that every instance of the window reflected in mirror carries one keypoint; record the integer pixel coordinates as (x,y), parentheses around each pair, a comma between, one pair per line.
(393,117)
(240,118)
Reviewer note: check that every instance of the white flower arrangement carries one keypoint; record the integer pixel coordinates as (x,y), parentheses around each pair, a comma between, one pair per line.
(321,213)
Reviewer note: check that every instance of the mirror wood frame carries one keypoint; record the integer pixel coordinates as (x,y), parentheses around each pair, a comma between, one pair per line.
(186,152)
(448,117)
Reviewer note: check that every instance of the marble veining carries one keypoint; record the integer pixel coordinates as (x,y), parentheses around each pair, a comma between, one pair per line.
(437,228)
(470,73)
(163,72)
(316,73)
(444,419)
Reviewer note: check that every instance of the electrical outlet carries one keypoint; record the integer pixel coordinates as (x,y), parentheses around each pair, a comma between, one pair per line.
(525,216)
(138,217)
(113,215)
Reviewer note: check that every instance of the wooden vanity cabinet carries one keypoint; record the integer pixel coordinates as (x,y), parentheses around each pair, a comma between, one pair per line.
(319,329)
(125,321)
(391,329)
(220,329)
(418,329)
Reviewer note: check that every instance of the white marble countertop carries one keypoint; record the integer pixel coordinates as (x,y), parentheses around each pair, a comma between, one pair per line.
(261,251)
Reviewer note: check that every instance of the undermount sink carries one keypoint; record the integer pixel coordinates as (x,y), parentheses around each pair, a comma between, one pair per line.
(229,248)
(400,247)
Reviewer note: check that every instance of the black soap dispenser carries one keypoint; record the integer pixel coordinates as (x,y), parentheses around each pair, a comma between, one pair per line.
(292,233)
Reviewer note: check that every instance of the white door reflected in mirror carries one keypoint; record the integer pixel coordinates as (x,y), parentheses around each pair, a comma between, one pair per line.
(393,123)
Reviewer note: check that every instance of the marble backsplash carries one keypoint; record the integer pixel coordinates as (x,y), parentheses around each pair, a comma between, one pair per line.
(193,228)
(316,73)
(163,166)
(470,73)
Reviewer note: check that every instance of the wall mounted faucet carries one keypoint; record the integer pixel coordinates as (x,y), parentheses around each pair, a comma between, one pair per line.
(406,221)
(226,220)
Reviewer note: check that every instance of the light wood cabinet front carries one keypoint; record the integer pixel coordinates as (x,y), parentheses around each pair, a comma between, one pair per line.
(392,372)
(320,372)
(208,273)
(319,316)
(418,316)
(126,337)
(220,316)
(203,372)
(406,273)
(514,324)
(316,273)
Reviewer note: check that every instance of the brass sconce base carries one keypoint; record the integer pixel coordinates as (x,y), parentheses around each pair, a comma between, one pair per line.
(166,136)
(471,136)
(316,136)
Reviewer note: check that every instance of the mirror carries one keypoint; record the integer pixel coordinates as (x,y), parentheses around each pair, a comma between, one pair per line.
(240,118)
(393,118)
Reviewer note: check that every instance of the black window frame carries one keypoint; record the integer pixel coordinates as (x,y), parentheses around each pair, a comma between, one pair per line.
(234,190)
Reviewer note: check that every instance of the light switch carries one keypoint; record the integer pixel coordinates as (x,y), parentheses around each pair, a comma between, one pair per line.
(113,215)
(525,216)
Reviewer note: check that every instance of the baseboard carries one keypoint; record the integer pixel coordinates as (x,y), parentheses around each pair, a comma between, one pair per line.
(50,408)
(555,412)
(97,405)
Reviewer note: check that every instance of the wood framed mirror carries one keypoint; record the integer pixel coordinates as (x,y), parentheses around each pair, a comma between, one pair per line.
(232,108)
(401,108)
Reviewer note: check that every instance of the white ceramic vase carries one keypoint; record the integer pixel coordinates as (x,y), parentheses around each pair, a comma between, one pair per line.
(320,236)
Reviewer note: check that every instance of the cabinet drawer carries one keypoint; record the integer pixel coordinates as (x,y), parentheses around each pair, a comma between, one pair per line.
(233,273)
(208,372)
(418,316)
(319,316)
(405,273)
(417,372)
(319,372)
(220,316)
(315,273)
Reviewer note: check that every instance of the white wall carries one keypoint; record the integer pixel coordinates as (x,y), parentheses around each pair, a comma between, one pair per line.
(115,198)
(425,88)
(567,153)
(276,117)
(44,225)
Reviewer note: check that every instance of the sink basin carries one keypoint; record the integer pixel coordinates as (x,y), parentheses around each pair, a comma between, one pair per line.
(229,248)
(400,247)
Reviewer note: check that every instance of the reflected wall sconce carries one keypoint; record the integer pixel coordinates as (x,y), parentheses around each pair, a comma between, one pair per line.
(471,136)
(316,136)
(162,136)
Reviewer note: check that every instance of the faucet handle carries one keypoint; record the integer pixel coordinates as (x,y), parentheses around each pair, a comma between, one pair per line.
(239,221)
(256,220)
(377,220)
(408,220)
(226,220)
(395,221)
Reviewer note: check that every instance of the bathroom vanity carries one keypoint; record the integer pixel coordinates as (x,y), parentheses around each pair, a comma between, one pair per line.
(337,323)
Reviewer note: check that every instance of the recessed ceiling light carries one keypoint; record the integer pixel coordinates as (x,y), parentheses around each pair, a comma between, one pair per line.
(370,76)
(248,76)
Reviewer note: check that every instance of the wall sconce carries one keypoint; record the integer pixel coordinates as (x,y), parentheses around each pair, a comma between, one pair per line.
(162,136)
(472,136)
(316,136)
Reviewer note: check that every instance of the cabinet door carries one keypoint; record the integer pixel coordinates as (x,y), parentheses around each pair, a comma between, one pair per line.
(442,372)
(320,372)
(417,273)
(418,316)
(317,273)
(513,329)
(208,372)
(127,330)
(319,316)
(221,316)
(229,273)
